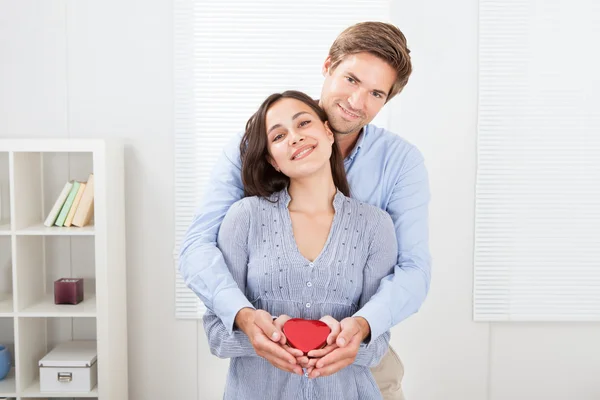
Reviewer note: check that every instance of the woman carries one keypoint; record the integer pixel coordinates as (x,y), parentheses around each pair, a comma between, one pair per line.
(298,245)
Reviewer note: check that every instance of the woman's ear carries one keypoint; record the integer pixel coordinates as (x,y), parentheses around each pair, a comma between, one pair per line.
(330,135)
(273,163)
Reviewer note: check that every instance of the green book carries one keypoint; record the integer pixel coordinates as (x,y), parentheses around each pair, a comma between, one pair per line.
(64,211)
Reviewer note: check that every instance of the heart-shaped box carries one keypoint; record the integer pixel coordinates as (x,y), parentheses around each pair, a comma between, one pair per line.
(305,334)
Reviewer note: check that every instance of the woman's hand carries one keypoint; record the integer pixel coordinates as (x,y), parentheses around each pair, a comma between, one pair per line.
(315,355)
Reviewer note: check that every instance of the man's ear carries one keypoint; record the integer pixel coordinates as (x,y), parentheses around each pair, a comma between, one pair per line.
(326,65)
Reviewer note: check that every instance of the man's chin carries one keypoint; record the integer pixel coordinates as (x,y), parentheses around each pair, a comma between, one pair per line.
(345,129)
(341,126)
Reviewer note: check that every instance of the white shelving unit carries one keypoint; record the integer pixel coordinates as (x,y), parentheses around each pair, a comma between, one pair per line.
(33,256)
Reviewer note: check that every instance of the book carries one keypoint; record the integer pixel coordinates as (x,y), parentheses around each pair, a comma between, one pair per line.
(85,210)
(53,214)
(75,204)
(64,211)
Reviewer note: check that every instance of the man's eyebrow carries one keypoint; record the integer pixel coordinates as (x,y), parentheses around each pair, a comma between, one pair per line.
(381,92)
(354,77)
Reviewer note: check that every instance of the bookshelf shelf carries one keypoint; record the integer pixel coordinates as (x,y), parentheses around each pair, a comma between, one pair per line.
(6,306)
(34,391)
(41,230)
(32,175)
(47,308)
(8,387)
(4,228)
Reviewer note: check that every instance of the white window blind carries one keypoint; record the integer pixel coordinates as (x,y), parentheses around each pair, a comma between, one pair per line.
(229,56)
(537,235)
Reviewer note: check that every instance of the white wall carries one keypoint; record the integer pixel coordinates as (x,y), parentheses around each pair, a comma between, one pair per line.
(90,68)
(448,356)
(445,353)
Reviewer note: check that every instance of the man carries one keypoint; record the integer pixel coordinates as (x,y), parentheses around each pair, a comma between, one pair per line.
(368,64)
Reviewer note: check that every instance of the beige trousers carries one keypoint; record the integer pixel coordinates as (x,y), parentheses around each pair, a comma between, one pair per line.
(388,375)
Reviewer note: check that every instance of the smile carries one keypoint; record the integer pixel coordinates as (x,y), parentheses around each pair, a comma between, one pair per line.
(303,153)
(348,113)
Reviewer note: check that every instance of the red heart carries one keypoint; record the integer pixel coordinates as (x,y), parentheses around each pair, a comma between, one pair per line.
(306,335)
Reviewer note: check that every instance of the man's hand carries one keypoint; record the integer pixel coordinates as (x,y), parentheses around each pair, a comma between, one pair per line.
(267,339)
(353,332)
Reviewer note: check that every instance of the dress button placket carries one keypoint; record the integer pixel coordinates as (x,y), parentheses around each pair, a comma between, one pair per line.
(308,273)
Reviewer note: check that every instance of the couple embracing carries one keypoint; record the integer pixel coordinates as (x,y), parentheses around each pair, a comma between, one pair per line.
(315,213)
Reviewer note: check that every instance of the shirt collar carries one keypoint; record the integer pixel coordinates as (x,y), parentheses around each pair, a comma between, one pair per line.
(359,143)
(283,198)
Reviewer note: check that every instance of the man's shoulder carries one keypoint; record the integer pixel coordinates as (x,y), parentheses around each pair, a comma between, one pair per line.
(392,147)
(232,146)
(384,139)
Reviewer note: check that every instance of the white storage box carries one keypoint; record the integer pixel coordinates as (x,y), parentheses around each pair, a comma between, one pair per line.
(69,367)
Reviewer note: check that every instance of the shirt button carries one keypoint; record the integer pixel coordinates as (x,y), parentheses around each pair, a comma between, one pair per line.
(311,264)
(306,374)
(307,305)
(309,284)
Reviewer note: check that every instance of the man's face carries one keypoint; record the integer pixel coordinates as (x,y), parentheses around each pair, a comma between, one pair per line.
(355,91)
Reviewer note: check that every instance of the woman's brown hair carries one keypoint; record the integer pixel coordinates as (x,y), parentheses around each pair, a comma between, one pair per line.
(258,175)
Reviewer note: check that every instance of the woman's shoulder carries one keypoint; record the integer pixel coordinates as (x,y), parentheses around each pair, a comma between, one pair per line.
(241,209)
(244,204)
(248,206)
(371,214)
(371,219)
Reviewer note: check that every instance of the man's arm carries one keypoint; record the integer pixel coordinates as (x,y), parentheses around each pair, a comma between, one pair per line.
(201,262)
(223,344)
(233,242)
(383,251)
(402,293)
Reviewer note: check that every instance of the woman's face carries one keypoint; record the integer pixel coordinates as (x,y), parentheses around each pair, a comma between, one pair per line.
(299,142)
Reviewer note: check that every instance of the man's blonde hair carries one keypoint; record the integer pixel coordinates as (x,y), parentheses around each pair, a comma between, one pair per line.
(380,39)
